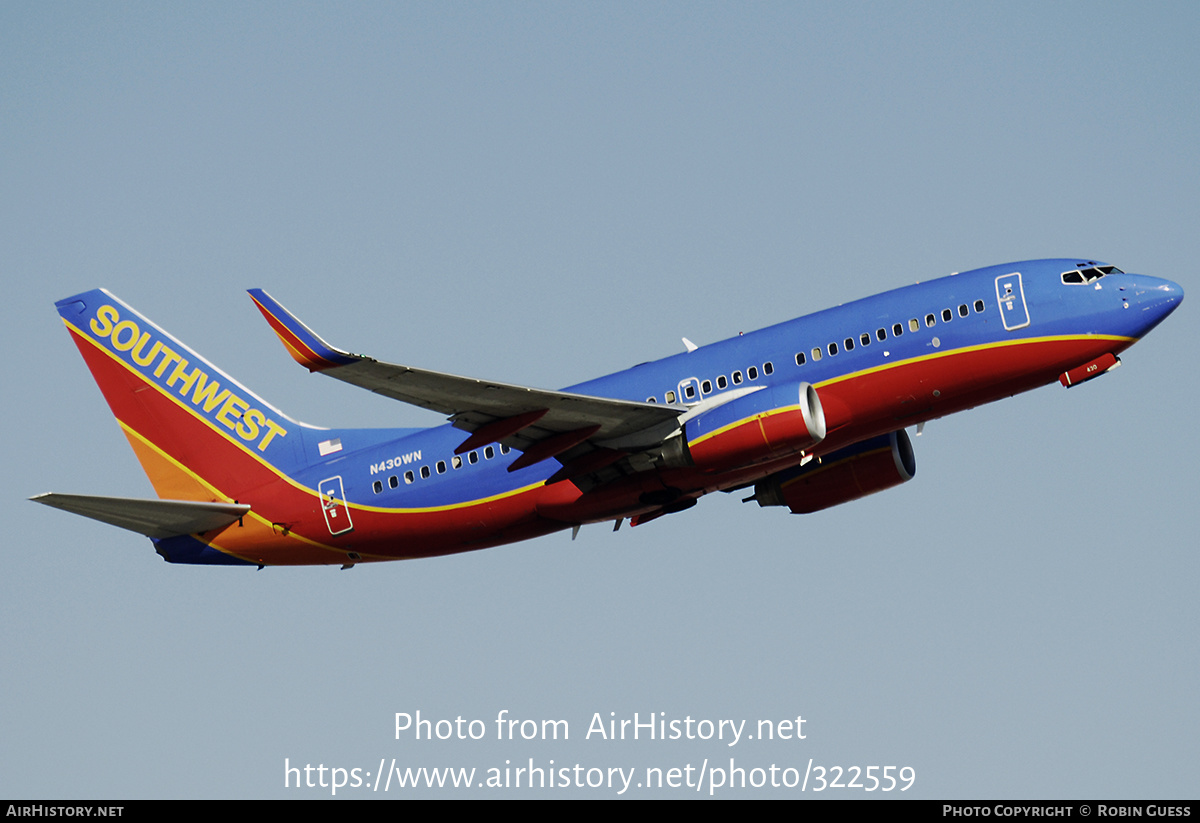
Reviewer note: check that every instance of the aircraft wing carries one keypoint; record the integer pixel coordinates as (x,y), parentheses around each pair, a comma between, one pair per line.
(153,518)
(538,422)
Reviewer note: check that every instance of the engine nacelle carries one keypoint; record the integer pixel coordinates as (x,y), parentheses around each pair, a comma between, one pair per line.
(760,426)
(847,474)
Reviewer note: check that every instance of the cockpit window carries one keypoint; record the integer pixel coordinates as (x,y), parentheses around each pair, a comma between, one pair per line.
(1087,275)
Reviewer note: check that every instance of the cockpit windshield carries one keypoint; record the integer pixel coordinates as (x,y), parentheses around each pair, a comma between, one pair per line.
(1088,274)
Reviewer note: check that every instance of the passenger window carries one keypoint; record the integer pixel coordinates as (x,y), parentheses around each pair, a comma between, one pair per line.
(930,320)
(849,343)
(424,472)
(799,358)
(689,391)
(706,387)
(408,477)
(947,315)
(816,353)
(865,339)
(978,305)
(897,330)
(378,487)
(768,367)
(737,378)
(473,458)
(721,381)
(914,324)
(881,335)
(489,452)
(504,449)
(833,349)
(651,399)
(752,373)
(441,467)
(963,311)
(393,481)
(670,397)
(456,462)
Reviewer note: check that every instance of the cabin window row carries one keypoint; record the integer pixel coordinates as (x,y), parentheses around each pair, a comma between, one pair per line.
(424,473)
(688,393)
(881,334)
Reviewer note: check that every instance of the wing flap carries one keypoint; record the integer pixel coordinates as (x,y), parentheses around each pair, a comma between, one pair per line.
(153,518)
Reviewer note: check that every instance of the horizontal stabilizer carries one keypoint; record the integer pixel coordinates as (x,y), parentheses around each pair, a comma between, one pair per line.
(153,518)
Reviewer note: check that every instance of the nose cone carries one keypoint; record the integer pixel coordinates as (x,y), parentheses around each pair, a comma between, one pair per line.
(1155,298)
(1162,296)
(1172,291)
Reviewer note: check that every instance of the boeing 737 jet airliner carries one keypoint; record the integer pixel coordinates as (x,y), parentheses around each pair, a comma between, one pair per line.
(805,414)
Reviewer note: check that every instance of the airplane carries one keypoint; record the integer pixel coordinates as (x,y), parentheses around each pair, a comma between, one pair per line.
(806,414)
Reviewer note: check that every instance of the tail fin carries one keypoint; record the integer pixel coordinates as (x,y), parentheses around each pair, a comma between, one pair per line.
(198,433)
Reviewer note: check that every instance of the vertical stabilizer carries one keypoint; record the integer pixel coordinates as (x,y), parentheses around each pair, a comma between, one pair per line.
(198,433)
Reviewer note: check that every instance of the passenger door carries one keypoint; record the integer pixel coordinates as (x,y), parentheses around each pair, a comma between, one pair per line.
(1011,296)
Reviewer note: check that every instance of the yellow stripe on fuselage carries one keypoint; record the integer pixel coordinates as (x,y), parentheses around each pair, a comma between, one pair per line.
(1060,338)
(910,361)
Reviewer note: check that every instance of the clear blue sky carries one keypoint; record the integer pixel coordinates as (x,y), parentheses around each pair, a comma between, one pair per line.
(543,193)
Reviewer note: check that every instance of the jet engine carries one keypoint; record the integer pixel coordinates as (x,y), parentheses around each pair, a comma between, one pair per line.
(762,425)
(847,474)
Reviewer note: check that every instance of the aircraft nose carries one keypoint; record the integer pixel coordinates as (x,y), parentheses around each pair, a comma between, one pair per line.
(1155,297)
(1163,295)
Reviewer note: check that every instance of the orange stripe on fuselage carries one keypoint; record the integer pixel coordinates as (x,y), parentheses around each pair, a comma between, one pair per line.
(376,537)
(256,539)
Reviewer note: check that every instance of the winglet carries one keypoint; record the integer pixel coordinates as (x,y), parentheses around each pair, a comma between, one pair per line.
(302,343)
